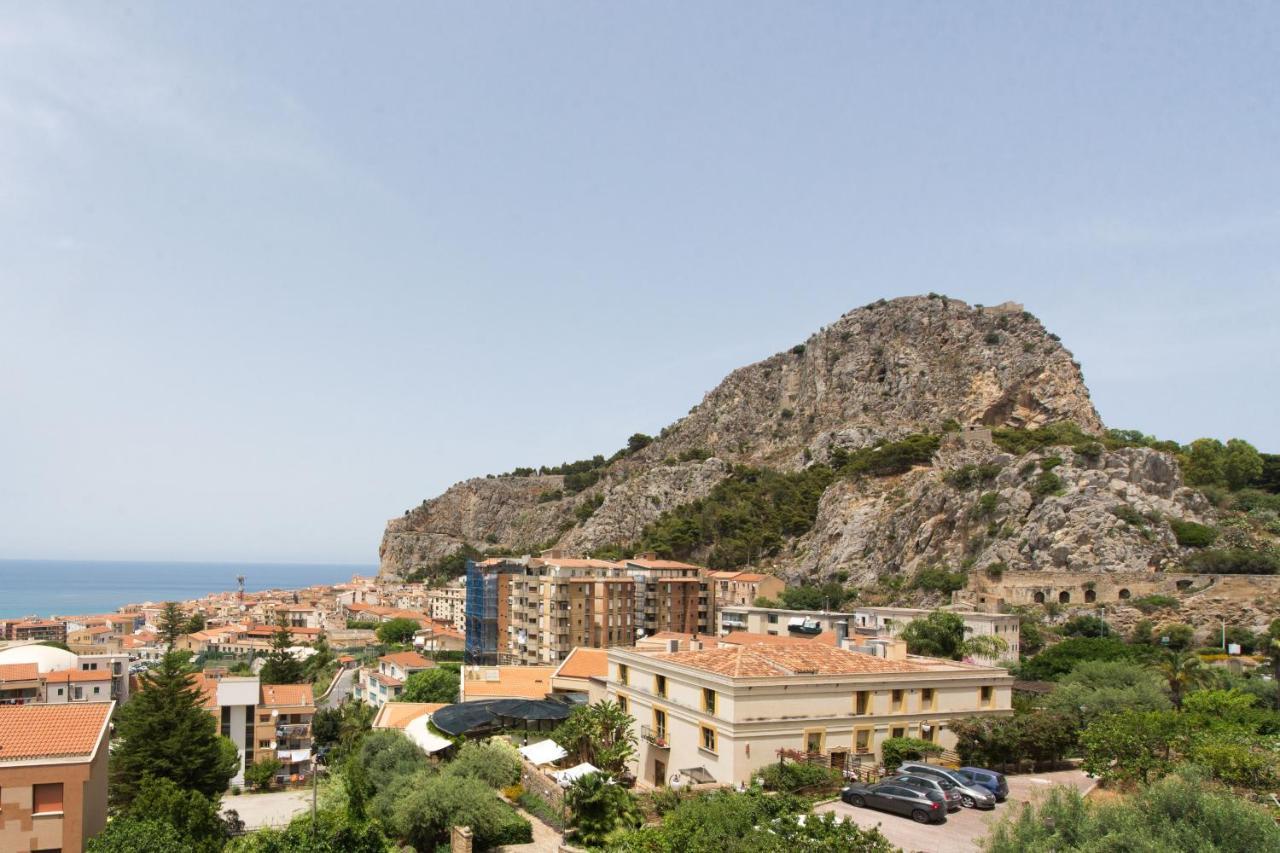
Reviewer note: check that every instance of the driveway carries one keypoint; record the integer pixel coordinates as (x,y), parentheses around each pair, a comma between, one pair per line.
(964,830)
(276,808)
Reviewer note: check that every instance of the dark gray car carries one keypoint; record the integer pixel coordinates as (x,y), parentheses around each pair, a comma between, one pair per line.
(949,792)
(972,795)
(920,805)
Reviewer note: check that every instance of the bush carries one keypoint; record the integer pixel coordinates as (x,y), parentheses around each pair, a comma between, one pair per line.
(1152,603)
(1233,561)
(791,776)
(1129,515)
(1192,535)
(896,750)
(398,631)
(968,476)
(887,458)
(1056,661)
(425,813)
(262,773)
(938,579)
(1048,483)
(996,571)
(494,762)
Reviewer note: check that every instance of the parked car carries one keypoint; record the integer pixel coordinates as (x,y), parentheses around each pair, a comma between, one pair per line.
(920,805)
(948,789)
(989,779)
(971,796)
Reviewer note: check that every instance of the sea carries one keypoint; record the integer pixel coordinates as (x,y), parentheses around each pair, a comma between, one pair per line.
(80,587)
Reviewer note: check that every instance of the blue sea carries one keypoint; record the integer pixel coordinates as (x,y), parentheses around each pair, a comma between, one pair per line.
(71,587)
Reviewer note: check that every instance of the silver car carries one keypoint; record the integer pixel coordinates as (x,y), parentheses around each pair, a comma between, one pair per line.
(971,796)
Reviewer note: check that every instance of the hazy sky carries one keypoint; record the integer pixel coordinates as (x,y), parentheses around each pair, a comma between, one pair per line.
(271,273)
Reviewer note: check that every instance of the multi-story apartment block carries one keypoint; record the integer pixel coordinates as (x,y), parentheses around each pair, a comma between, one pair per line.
(34,630)
(448,604)
(777,621)
(722,714)
(53,776)
(741,589)
(672,596)
(38,674)
(384,683)
(262,720)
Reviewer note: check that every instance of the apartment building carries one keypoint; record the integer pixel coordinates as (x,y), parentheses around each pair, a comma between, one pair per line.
(536,610)
(262,720)
(778,621)
(53,776)
(890,621)
(34,630)
(671,596)
(384,683)
(448,604)
(721,714)
(741,589)
(39,674)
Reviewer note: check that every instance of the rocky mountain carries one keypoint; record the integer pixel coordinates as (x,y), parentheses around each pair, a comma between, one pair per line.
(879,372)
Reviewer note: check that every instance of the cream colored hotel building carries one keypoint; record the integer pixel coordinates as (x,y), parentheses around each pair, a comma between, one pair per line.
(726,712)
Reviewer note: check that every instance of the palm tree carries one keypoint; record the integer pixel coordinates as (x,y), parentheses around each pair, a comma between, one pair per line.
(599,809)
(1182,671)
(984,645)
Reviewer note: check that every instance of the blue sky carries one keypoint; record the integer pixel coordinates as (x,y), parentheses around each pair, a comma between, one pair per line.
(271,273)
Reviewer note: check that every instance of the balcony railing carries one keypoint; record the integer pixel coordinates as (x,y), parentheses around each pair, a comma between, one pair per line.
(657,737)
(293,730)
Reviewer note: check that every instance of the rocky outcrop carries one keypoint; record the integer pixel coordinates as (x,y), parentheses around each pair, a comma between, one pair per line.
(1106,512)
(881,371)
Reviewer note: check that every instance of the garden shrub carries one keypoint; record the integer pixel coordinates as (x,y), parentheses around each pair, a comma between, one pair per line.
(1192,535)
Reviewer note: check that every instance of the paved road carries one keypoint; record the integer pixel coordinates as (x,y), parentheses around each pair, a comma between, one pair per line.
(340,691)
(273,809)
(965,829)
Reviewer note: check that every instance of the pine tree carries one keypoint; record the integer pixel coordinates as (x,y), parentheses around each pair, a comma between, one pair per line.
(281,666)
(165,733)
(172,624)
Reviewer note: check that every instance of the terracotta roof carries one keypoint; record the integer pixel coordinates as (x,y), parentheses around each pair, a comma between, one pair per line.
(70,675)
(208,688)
(670,635)
(385,679)
(766,661)
(408,660)
(51,731)
(662,564)
(19,672)
(747,638)
(583,662)
(287,694)
(524,682)
(575,563)
(397,715)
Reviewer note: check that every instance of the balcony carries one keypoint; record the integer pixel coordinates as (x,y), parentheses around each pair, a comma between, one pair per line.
(656,737)
(293,730)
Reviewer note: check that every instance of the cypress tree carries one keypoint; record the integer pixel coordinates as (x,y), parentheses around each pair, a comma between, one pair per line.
(165,733)
(281,666)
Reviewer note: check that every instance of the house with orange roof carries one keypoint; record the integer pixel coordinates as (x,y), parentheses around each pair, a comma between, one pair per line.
(262,720)
(505,682)
(741,589)
(575,673)
(384,683)
(53,775)
(723,712)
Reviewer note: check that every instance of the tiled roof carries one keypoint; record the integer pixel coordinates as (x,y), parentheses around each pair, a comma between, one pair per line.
(575,563)
(661,564)
(385,679)
(19,672)
(523,682)
(747,638)
(407,660)
(51,731)
(397,715)
(70,675)
(287,694)
(765,661)
(583,662)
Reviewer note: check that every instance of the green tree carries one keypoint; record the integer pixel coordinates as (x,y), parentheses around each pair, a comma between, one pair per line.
(1181,672)
(1132,746)
(938,635)
(1084,626)
(172,624)
(137,835)
(895,750)
(195,623)
(431,685)
(398,631)
(1057,660)
(599,734)
(494,762)
(425,812)
(1097,688)
(333,832)
(599,809)
(261,774)
(191,814)
(164,732)
(1203,463)
(1241,463)
(281,667)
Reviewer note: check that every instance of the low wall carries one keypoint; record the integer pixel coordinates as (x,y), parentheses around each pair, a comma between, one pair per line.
(1081,588)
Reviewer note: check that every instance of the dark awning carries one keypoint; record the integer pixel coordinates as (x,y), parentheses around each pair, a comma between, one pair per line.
(466,717)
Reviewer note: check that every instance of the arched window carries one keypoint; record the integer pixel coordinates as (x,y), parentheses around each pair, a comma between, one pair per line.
(1090,596)
(1184,584)
(1064,597)
(1124,595)
(1039,598)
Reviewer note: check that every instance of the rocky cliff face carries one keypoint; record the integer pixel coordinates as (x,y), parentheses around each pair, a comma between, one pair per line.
(881,371)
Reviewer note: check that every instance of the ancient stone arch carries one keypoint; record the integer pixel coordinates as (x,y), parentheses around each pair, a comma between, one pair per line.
(1090,596)
(1124,595)
(1064,597)
(1039,598)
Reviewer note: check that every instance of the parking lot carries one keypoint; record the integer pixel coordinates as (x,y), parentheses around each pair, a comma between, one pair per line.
(965,829)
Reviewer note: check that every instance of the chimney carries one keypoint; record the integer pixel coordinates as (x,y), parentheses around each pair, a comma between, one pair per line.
(695,645)
(673,646)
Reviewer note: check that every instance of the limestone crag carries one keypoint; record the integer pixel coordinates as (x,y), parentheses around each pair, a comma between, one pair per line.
(881,371)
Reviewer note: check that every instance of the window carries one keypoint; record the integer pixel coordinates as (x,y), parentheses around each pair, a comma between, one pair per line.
(264,718)
(862,741)
(708,738)
(862,702)
(660,723)
(660,685)
(622,705)
(46,798)
(985,695)
(898,731)
(814,740)
(928,699)
(97,690)
(708,700)
(624,672)
(898,697)
(264,744)
(773,618)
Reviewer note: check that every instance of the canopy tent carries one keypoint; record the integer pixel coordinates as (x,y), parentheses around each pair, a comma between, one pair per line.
(573,774)
(420,733)
(543,752)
